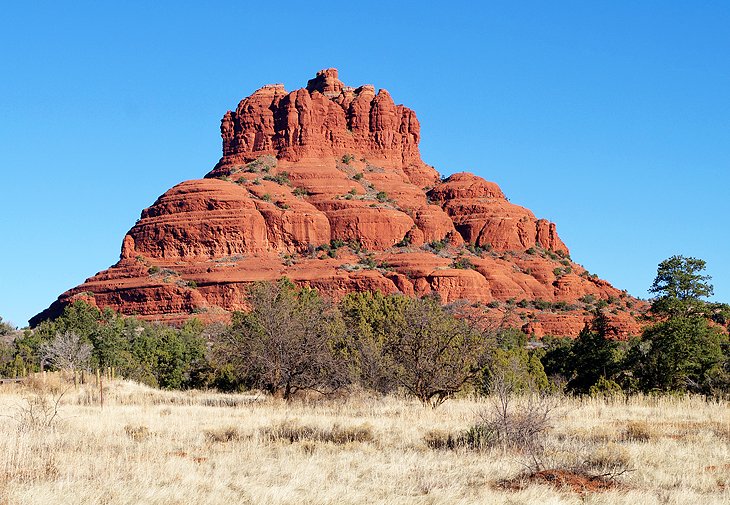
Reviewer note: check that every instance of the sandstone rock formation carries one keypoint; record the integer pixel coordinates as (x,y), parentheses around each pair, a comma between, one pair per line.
(325,185)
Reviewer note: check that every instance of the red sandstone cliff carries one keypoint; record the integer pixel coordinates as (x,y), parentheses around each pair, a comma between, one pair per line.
(325,185)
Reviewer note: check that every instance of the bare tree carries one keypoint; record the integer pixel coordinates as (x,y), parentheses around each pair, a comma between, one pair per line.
(433,353)
(40,410)
(286,342)
(520,417)
(67,351)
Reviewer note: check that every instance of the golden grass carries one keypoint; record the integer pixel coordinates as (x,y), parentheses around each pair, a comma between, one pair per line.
(155,447)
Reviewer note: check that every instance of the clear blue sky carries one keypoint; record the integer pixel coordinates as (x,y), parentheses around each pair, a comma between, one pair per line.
(610,118)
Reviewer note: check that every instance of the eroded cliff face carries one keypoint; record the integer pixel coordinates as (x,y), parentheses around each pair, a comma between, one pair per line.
(325,120)
(325,185)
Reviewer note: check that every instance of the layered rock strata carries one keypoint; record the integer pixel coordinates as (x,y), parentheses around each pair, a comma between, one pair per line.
(325,185)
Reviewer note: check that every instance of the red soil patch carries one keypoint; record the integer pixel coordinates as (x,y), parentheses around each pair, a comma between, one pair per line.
(716,468)
(575,481)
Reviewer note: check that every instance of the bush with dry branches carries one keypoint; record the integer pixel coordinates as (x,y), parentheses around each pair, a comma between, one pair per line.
(39,410)
(519,420)
(285,343)
(67,351)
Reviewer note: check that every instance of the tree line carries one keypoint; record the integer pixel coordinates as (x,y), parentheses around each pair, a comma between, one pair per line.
(294,340)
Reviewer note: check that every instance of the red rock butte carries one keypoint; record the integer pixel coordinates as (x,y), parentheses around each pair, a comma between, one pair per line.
(325,185)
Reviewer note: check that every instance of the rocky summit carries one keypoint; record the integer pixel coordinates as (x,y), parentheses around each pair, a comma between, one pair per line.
(325,185)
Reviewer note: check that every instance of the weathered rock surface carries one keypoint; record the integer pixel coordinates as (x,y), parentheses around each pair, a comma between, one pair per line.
(325,185)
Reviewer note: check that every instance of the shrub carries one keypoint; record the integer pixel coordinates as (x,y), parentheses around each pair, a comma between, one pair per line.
(280,178)
(293,432)
(137,432)
(381,196)
(261,164)
(637,431)
(477,437)
(587,299)
(299,191)
(153,270)
(463,264)
(356,246)
(347,159)
(438,245)
(368,262)
(39,411)
(605,388)
(336,434)
(559,272)
(518,422)
(610,457)
(348,434)
(223,434)
(478,250)
(441,440)
(405,241)
(561,305)
(542,304)
(358,176)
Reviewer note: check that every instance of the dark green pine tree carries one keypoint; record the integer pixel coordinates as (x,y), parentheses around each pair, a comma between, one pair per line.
(683,352)
(593,355)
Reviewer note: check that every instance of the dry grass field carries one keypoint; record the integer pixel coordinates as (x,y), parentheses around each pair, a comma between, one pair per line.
(154,447)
